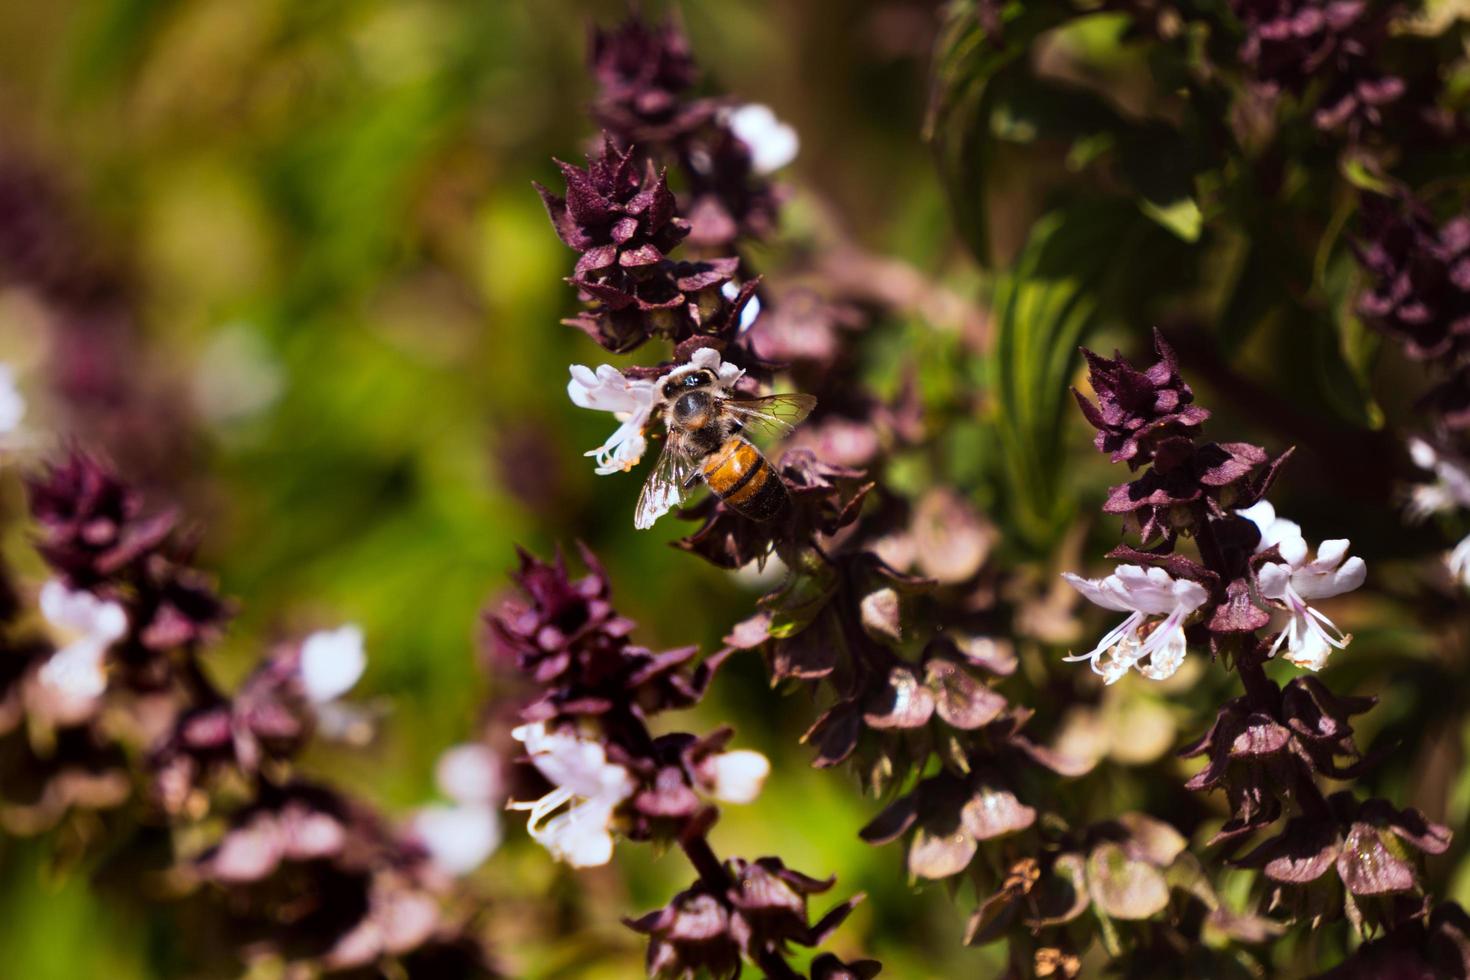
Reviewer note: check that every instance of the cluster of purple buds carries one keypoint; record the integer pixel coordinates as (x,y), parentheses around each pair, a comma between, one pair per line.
(621,217)
(587,736)
(670,168)
(1418,292)
(299,871)
(1293,44)
(722,152)
(1268,748)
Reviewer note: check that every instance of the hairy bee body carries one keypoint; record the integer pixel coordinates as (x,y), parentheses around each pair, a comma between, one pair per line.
(739,474)
(706,425)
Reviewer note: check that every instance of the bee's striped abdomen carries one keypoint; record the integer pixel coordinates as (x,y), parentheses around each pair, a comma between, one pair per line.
(740,476)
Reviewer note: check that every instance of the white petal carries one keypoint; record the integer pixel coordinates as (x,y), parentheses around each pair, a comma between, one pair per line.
(1459,561)
(580,836)
(1329,575)
(81,614)
(1331,552)
(575,764)
(458,838)
(1293,548)
(76,672)
(469,773)
(1261,514)
(772,143)
(1096,590)
(12,405)
(332,661)
(739,775)
(1274,579)
(1422,453)
(1305,647)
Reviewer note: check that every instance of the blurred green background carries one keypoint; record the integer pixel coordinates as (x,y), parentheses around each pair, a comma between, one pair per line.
(350,292)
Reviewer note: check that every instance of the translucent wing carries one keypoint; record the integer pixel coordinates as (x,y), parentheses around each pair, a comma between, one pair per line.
(774,415)
(665,487)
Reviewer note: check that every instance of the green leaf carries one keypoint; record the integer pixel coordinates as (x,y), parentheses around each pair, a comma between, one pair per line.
(1075,262)
(1181,216)
(963,105)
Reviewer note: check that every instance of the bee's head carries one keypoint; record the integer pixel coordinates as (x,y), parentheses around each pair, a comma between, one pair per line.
(690,381)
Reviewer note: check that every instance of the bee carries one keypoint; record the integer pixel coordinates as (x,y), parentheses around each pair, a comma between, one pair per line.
(707,427)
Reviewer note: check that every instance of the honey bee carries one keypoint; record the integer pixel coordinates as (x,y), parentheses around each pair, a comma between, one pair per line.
(707,426)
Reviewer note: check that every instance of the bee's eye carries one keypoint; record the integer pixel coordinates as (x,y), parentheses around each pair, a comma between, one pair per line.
(669,390)
(697,379)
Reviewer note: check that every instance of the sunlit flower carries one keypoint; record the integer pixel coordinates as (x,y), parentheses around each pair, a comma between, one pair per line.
(86,626)
(1284,534)
(1310,637)
(1155,647)
(772,143)
(586,783)
(331,662)
(459,836)
(631,402)
(739,775)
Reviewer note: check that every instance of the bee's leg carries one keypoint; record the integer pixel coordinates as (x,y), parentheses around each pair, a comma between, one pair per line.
(692,480)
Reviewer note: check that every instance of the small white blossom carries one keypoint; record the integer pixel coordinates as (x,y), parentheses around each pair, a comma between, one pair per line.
(85,627)
(458,838)
(12,405)
(739,775)
(331,662)
(1309,636)
(631,402)
(469,773)
(461,835)
(1459,561)
(772,143)
(1451,486)
(749,311)
(1450,490)
(707,358)
(1154,647)
(586,783)
(1278,531)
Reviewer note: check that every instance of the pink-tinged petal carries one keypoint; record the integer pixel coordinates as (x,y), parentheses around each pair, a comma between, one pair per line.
(1097,592)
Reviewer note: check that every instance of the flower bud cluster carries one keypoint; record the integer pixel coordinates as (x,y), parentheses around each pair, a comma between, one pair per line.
(587,734)
(119,695)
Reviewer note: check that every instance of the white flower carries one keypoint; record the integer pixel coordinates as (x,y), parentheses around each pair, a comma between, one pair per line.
(739,775)
(461,835)
(707,358)
(331,662)
(86,627)
(631,402)
(1459,561)
(1286,535)
(12,405)
(469,773)
(772,143)
(458,838)
(1309,636)
(578,768)
(1451,486)
(1156,648)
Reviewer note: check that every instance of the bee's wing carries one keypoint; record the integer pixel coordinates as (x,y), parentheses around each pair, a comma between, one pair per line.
(774,415)
(665,487)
